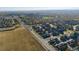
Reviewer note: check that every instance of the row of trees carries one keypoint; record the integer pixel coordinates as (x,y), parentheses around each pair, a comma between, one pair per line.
(6,23)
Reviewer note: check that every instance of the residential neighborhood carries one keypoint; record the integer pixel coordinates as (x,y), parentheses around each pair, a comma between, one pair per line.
(56,30)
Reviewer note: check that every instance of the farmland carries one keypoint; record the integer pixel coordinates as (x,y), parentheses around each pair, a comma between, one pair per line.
(18,39)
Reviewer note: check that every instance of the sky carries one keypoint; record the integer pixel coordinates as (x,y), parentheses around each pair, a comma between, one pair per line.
(36,8)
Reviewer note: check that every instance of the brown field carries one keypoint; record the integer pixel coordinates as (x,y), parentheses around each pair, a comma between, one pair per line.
(18,40)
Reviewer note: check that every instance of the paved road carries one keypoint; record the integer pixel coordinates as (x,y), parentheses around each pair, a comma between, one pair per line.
(42,41)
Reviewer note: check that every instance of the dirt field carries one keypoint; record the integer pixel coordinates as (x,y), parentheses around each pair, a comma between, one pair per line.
(18,40)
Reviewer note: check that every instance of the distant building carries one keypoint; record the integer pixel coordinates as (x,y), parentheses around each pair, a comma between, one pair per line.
(76,27)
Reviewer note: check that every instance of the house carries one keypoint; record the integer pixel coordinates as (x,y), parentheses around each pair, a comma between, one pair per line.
(76,27)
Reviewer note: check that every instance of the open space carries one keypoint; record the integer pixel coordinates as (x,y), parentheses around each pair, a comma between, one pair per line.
(18,40)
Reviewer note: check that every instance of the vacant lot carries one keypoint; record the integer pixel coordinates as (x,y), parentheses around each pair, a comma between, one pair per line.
(18,40)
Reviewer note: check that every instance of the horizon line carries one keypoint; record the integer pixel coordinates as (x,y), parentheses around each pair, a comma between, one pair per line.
(36,8)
